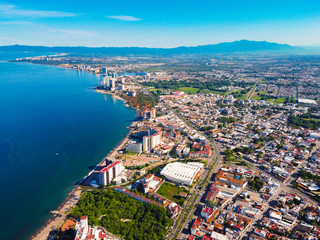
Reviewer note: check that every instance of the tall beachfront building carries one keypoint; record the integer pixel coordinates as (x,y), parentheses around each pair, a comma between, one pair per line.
(105,82)
(150,114)
(112,83)
(110,172)
(152,140)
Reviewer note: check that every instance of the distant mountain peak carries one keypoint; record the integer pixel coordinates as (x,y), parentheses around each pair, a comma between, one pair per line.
(239,46)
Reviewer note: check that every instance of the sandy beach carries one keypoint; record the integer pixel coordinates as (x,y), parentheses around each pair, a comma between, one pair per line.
(48,230)
(107,92)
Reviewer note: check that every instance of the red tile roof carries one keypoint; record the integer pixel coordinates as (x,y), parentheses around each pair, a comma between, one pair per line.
(110,166)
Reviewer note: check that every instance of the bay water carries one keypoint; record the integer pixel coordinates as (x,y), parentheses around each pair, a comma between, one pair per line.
(53,129)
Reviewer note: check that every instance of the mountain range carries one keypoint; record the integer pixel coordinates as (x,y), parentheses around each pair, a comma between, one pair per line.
(242,46)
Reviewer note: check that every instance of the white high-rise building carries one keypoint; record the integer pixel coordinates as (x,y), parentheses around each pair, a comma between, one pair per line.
(105,82)
(151,141)
(110,172)
(146,144)
(114,75)
(112,83)
(155,140)
(135,148)
(150,114)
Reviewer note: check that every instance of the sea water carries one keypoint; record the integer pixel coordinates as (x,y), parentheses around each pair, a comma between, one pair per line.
(53,129)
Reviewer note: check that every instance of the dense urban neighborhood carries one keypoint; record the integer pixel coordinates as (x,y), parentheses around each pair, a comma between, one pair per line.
(223,147)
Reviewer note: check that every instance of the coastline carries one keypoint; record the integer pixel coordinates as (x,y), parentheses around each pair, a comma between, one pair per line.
(73,197)
(47,230)
(115,96)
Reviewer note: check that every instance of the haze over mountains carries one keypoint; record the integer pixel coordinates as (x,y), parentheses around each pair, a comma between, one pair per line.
(242,46)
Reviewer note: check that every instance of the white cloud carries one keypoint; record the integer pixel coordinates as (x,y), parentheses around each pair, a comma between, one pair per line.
(13,22)
(8,10)
(125,18)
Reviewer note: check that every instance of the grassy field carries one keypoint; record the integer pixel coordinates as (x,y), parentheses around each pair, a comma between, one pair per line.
(171,192)
(236,91)
(255,97)
(189,90)
(215,92)
(243,96)
(131,153)
(260,92)
(275,101)
(279,100)
(238,94)
(154,89)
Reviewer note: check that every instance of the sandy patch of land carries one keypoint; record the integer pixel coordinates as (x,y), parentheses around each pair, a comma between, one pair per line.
(134,160)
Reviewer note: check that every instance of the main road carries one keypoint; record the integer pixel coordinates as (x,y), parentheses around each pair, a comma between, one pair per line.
(251,92)
(215,166)
(197,192)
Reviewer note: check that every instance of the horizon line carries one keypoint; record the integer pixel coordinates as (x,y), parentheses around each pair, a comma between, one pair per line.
(158,47)
(317,46)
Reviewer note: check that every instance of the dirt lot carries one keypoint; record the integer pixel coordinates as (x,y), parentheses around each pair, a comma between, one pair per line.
(134,160)
(255,197)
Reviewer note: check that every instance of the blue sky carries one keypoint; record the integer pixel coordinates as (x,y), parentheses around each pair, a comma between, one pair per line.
(148,23)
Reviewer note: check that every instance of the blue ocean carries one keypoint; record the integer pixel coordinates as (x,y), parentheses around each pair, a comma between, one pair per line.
(45,110)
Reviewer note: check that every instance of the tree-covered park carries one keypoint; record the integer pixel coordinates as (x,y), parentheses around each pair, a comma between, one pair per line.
(255,184)
(122,215)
